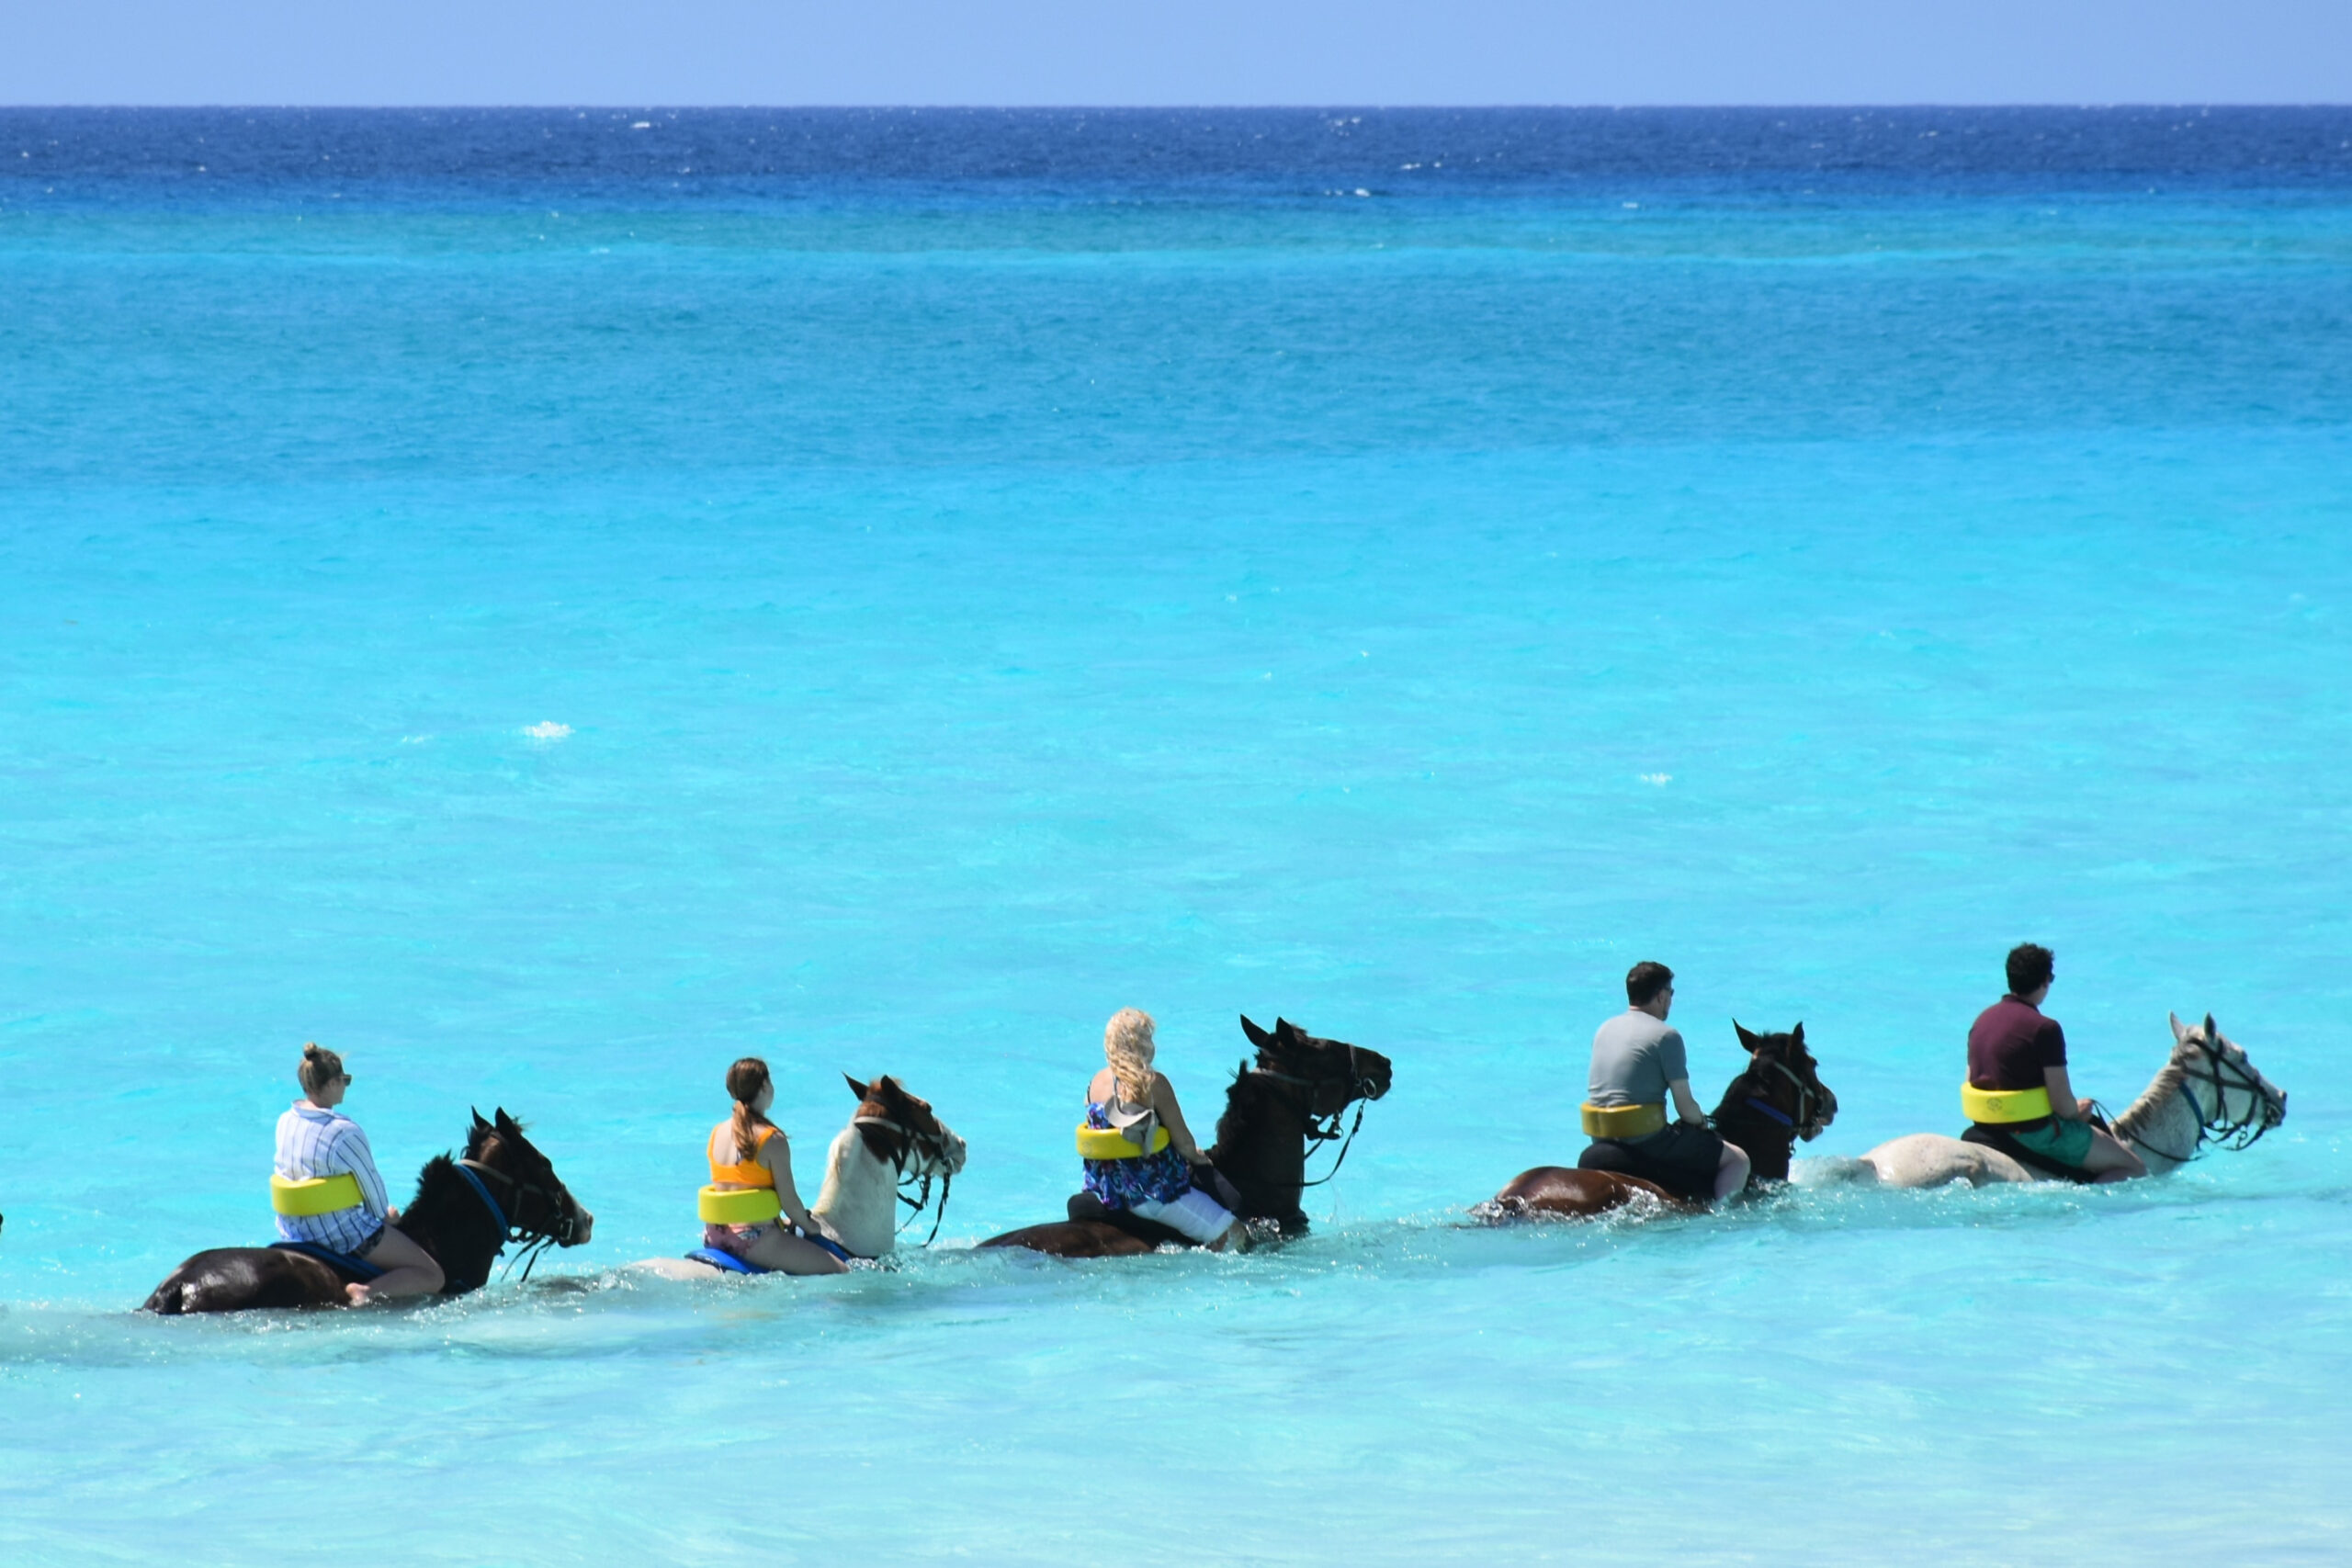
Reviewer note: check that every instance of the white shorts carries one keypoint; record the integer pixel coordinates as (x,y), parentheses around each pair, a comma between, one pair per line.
(1196,1214)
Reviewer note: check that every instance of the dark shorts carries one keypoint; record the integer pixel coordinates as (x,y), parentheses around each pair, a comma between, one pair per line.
(1683,1160)
(365,1247)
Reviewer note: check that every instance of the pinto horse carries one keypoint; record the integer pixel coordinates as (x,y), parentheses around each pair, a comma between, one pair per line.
(1274,1111)
(1778,1098)
(465,1212)
(893,1140)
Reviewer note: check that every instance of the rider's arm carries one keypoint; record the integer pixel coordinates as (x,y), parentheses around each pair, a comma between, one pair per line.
(1685,1107)
(1171,1116)
(776,1155)
(361,1160)
(2063,1103)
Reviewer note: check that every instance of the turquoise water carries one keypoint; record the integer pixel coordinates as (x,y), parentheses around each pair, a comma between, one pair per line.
(968,579)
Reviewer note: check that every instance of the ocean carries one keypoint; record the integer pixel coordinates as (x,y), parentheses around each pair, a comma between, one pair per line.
(545,602)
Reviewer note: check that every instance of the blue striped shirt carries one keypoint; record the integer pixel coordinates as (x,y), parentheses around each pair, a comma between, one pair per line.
(311,1143)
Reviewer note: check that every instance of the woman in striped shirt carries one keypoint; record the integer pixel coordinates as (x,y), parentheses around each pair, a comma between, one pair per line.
(314,1139)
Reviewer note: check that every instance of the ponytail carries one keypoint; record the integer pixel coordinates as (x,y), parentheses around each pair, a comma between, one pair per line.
(744,1081)
(320,1067)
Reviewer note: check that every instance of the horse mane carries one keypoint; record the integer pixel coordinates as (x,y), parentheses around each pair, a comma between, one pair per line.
(2162,1088)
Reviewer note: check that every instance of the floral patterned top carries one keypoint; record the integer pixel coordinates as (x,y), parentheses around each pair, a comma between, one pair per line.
(1122,1183)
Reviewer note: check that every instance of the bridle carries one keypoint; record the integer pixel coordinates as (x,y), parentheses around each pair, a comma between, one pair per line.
(533,1239)
(933,1146)
(1809,1099)
(1325,1129)
(2220,1130)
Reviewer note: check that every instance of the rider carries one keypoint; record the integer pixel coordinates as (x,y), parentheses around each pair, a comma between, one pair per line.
(747,1151)
(2019,1055)
(1129,1097)
(1637,1062)
(314,1141)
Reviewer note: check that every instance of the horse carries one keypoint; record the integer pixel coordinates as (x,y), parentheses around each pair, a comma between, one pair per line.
(456,1216)
(1290,1101)
(2207,1093)
(1777,1098)
(892,1140)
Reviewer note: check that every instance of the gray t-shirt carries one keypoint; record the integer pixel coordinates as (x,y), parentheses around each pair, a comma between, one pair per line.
(1635,1056)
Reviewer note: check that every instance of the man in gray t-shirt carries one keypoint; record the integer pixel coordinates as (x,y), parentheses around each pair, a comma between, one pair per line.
(1638,1060)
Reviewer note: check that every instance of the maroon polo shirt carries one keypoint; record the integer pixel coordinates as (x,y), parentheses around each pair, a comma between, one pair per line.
(2009,1046)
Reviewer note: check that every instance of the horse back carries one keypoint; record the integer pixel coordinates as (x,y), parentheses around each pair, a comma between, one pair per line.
(235,1278)
(1578,1194)
(1074,1238)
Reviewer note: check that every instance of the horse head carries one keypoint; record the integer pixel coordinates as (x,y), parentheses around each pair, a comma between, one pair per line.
(899,1129)
(2235,1103)
(538,1206)
(1337,1074)
(1782,1076)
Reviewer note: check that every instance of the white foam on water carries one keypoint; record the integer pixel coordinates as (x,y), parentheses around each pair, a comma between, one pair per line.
(549,729)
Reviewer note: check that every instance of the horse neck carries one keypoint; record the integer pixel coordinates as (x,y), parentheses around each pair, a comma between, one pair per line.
(2165,1124)
(859,1200)
(447,1218)
(1766,1142)
(1261,1148)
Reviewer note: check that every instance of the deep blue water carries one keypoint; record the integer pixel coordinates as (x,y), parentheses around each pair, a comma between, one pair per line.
(1393,569)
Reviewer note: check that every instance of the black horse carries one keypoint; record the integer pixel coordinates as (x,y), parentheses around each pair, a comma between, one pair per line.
(1274,1111)
(465,1212)
(1778,1098)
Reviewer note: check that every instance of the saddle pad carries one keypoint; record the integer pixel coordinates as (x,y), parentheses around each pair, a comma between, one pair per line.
(359,1269)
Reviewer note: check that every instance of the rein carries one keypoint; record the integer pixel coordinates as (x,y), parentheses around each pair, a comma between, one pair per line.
(935,1153)
(2220,1130)
(533,1240)
(1325,1129)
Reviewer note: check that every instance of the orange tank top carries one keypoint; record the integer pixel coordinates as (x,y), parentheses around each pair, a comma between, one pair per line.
(751,1172)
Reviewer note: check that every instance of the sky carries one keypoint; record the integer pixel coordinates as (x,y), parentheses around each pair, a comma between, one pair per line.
(1119,52)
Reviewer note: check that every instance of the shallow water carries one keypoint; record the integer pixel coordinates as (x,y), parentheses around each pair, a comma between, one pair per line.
(970,575)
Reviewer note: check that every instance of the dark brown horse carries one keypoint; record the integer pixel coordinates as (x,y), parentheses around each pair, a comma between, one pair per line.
(1778,1098)
(465,1212)
(1274,1111)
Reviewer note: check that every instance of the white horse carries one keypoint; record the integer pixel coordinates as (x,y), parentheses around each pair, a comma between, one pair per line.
(891,1142)
(2209,1093)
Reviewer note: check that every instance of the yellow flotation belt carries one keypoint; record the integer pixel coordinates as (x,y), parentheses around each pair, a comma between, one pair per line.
(2000,1105)
(738,1205)
(1097,1143)
(1623,1121)
(315,1195)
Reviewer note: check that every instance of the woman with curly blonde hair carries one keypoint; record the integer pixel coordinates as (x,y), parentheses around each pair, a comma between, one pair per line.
(1149,1173)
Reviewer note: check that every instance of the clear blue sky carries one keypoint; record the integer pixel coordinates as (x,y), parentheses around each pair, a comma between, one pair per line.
(1173,52)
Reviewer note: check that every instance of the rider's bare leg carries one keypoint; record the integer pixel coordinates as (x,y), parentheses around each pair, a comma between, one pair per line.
(782,1252)
(2109,1160)
(1731,1170)
(409,1271)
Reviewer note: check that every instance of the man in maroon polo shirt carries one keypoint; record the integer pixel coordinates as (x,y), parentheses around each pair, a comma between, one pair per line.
(2012,1046)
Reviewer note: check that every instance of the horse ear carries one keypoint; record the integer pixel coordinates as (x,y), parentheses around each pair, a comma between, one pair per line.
(1258,1036)
(505,1122)
(855,1088)
(480,1125)
(1285,1030)
(2213,1031)
(1797,1033)
(1745,1039)
(2180,1030)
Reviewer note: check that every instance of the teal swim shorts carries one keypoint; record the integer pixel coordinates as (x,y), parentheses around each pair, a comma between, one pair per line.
(2068,1142)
